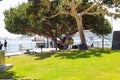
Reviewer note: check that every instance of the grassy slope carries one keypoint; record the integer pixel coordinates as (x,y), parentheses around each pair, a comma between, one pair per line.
(64,65)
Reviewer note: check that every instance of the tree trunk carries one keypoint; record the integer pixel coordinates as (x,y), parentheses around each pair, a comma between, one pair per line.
(80,29)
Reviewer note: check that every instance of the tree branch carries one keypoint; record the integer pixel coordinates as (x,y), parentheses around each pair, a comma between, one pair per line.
(79,2)
(61,12)
(91,7)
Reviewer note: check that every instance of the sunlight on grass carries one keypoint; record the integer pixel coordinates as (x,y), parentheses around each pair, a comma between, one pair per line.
(66,65)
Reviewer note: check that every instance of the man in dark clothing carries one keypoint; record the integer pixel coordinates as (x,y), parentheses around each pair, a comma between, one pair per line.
(64,46)
(1,45)
(5,45)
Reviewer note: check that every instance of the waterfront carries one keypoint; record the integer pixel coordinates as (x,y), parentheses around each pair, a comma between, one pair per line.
(14,45)
(23,43)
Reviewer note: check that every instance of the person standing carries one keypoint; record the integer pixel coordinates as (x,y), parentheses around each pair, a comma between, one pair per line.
(5,45)
(1,45)
(70,42)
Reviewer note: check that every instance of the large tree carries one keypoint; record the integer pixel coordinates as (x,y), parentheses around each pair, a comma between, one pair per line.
(78,8)
(18,21)
(29,19)
(103,29)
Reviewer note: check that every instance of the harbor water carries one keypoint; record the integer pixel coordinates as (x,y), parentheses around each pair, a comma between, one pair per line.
(14,45)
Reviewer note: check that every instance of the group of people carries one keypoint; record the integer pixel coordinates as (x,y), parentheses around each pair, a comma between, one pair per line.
(65,43)
(4,44)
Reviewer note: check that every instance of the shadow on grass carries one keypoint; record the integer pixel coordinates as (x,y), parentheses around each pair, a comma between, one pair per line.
(75,54)
(8,75)
(83,54)
(43,55)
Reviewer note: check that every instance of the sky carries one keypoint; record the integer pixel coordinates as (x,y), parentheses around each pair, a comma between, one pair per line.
(6,4)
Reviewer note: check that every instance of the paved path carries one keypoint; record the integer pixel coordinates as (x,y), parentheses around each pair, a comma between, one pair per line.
(22,52)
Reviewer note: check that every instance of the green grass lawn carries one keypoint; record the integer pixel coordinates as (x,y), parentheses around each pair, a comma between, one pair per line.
(65,65)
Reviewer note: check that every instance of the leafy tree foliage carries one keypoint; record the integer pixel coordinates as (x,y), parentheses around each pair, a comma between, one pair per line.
(78,8)
(33,19)
(36,18)
(16,19)
(96,7)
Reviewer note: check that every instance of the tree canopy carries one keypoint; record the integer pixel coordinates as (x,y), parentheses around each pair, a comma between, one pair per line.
(16,19)
(95,7)
(54,18)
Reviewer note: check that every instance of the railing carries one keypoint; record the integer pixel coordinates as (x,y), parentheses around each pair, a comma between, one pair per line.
(19,47)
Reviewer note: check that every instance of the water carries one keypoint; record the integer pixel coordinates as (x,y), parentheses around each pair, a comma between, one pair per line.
(14,44)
